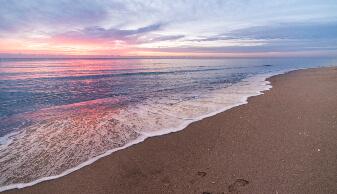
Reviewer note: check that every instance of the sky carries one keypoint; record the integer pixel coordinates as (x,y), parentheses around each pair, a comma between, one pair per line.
(212,28)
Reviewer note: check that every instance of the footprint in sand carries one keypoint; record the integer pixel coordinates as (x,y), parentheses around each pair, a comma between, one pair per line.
(234,188)
(201,173)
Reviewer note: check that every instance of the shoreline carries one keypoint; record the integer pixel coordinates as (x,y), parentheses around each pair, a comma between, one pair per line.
(49,185)
(244,100)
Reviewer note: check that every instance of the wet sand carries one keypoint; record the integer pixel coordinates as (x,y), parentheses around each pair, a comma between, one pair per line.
(284,141)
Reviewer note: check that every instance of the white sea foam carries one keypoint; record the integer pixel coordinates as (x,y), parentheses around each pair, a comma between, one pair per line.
(5,140)
(60,145)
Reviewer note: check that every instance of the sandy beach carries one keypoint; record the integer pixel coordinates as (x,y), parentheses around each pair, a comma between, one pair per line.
(281,142)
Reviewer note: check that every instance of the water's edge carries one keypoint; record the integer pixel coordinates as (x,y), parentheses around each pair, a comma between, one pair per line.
(267,86)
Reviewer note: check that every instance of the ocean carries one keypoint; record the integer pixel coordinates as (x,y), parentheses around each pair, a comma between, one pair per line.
(58,115)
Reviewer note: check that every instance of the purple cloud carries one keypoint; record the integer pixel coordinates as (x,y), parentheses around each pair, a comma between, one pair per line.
(23,15)
(298,31)
(97,32)
(307,30)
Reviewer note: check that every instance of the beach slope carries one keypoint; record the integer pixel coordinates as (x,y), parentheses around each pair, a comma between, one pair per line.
(284,141)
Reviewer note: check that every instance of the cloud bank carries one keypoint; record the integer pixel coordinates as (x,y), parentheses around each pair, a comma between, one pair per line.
(135,27)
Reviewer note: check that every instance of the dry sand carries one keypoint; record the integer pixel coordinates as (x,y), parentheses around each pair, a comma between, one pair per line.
(284,141)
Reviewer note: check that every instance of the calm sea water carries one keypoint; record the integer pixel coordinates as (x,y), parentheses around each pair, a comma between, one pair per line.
(58,115)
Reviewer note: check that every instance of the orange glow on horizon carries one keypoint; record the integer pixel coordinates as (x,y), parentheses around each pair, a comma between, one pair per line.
(63,46)
(100,47)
